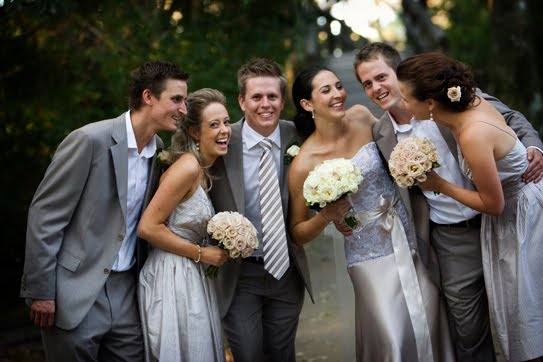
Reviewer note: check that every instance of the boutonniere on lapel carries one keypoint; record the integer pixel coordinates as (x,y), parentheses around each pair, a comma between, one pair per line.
(162,156)
(291,152)
(163,159)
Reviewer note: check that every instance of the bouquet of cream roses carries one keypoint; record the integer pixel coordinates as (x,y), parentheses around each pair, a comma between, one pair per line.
(234,233)
(329,181)
(411,160)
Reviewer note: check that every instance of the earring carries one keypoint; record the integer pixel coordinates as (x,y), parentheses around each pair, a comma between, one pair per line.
(431,116)
(198,146)
(312,114)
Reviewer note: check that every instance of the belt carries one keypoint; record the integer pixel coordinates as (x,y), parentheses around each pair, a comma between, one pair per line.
(466,224)
(254,259)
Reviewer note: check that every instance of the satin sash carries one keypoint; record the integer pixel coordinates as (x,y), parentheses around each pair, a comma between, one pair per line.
(390,221)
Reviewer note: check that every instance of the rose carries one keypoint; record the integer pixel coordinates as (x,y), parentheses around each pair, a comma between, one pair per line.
(454,93)
(233,232)
(290,153)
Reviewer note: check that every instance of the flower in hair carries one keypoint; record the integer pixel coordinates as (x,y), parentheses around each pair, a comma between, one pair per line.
(454,93)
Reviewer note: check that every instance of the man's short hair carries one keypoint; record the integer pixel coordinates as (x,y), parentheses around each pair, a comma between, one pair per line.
(260,67)
(152,75)
(373,51)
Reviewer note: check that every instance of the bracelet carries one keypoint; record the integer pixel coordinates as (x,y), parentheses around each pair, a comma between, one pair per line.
(199,254)
(327,221)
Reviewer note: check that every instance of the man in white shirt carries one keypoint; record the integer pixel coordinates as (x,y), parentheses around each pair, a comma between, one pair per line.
(80,272)
(260,305)
(455,228)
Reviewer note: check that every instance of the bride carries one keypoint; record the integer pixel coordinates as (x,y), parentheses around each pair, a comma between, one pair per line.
(398,313)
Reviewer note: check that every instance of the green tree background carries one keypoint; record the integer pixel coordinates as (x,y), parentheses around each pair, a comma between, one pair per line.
(65,63)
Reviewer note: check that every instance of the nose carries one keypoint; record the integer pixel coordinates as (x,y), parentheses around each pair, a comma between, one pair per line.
(183,108)
(375,86)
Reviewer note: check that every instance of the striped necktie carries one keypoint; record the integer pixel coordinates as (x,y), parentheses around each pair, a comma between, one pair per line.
(276,260)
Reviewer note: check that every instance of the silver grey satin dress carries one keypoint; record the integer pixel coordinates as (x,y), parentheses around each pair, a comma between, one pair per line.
(399,313)
(178,305)
(512,250)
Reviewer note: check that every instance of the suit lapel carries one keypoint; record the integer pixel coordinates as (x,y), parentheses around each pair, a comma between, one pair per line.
(385,138)
(119,154)
(233,165)
(286,141)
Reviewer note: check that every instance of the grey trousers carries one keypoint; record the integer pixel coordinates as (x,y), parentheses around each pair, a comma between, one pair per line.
(263,318)
(458,251)
(111,331)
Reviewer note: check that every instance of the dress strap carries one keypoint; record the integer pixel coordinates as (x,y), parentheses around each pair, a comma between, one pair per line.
(391,222)
(490,124)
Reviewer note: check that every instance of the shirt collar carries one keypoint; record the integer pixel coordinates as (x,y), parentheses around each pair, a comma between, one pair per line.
(252,138)
(400,128)
(149,150)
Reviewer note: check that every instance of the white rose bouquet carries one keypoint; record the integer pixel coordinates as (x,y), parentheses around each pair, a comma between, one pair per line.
(411,160)
(234,233)
(329,181)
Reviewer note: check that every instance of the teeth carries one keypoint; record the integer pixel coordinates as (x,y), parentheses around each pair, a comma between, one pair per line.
(382,96)
(267,114)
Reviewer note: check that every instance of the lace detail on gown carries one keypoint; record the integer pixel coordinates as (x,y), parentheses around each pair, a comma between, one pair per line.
(372,241)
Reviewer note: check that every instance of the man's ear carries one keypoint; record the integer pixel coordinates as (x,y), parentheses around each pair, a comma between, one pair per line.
(147,96)
(241,102)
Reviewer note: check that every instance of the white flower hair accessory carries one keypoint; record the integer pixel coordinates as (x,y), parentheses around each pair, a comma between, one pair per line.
(454,93)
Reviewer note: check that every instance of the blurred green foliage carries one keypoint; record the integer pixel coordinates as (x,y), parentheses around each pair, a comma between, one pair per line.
(65,63)
(501,40)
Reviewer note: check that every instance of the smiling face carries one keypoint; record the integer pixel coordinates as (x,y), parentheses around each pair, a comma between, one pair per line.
(419,109)
(214,133)
(262,104)
(327,97)
(380,83)
(169,106)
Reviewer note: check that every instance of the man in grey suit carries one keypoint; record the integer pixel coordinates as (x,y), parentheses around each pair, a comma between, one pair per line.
(455,228)
(260,309)
(80,272)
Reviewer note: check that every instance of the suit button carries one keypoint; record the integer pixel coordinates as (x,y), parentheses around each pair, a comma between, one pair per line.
(120,237)
(106,271)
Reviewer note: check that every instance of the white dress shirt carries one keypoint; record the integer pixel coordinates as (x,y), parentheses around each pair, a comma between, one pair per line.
(443,209)
(138,176)
(251,181)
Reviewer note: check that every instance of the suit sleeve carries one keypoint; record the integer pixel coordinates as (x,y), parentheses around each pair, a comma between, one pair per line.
(50,212)
(516,120)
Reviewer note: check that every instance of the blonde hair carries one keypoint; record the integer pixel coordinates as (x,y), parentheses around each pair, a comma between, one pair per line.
(182,141)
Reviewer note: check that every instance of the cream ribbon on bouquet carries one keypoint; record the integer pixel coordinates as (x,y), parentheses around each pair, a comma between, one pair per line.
(390,221)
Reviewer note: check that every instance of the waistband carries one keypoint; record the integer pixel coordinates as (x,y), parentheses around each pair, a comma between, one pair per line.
(474,222)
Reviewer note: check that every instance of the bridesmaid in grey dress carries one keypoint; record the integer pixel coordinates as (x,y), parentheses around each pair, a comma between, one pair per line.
(399,315)
(178,306)
(494,159)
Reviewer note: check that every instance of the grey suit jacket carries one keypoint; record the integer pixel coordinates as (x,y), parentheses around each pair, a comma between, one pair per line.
(227,194)
(77,219)
(384,136)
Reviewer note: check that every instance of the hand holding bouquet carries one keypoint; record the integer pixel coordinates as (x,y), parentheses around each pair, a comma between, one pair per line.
(234,233)
(411,160)
(329,181)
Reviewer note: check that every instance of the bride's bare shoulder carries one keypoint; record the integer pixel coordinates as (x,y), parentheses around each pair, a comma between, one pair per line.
(360,114)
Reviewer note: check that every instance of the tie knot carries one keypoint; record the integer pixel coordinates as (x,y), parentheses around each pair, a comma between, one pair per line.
(266,144)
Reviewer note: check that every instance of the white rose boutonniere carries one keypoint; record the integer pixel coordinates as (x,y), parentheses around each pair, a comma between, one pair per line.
(162,156)
(454,93)
(291,152)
